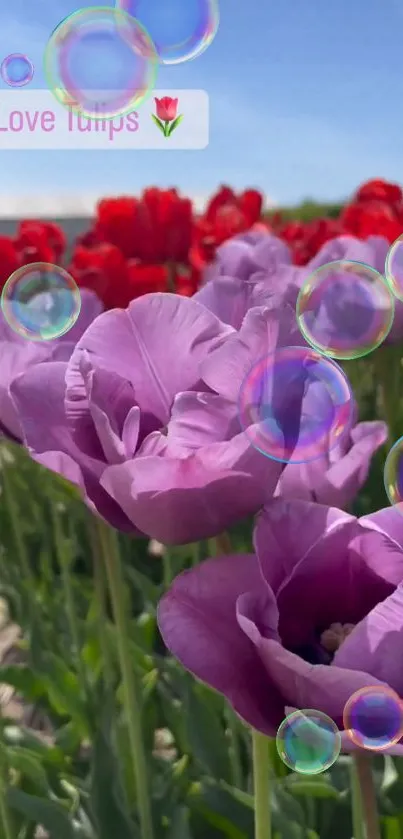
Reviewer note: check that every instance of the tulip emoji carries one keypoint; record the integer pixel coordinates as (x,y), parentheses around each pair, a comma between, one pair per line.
(166,117)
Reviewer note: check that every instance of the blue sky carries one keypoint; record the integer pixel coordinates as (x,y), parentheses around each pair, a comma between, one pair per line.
(305,100)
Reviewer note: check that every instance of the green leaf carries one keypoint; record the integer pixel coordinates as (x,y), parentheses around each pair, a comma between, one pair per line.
(158,123)
(319,787)
(68,738)
(287,813)
(392,828)
(107,797)
(51,756)
(174,124)
(64,692)
(24,680)
(207,739)
(28,764)
(49,814)
(222,810)
(179,827)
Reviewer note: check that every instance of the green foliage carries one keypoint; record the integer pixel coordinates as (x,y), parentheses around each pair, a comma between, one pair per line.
(308,210)
(73,773)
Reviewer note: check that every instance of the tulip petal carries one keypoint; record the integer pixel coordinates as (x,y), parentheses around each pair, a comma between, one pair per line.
(304,685)
(376,643)
(198,622)
(198,419)
(144,345)
(194,497)
(262,331)
(287,532)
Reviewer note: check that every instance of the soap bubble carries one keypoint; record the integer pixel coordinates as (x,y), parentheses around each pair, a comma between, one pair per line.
(40,301)
(394,268)
(345,309)
(295,405)
(180,29)
(308,742)
(101,63)
(373,718)
(393,475)
(17,70)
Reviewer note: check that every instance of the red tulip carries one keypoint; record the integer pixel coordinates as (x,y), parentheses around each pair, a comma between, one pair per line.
(154,228)
(116,223)
(42,235)
(372,218)
(379,190)
(251,205)
(32,243)
(144,279)
(225,216)
(166,108)
(9,261)
(104,270)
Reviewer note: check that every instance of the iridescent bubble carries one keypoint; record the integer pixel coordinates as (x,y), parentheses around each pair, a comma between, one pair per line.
(373,718)
(101,63)
(40,301)
(308,742)
(17,70)
(394,268)
(181,29)
(393,475)
(295,405)
(345,309)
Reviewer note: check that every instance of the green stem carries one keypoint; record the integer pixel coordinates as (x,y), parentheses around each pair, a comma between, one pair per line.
(131,690)
(102,619)
(363,765)
(167,568)
(388,376)
(64,565)
(356,804)
(234,749)
(14,515)
(171,277)
(5,813)
(222,545)
(196,554)
(261,776)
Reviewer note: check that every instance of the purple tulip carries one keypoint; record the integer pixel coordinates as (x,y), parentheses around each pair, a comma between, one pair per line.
(251,270)
(19,354)
(130,421)
(336,478)
(313,617)
(256,271)
(371,252)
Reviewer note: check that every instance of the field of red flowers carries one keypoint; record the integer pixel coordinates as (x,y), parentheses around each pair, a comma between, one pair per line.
(157,242)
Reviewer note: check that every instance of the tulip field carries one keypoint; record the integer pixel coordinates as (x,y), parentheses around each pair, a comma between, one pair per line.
(201,594)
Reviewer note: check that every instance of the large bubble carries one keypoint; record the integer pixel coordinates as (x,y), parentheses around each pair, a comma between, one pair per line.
(308,742)
(101,63)
(181,29)
(394,268)
(345,309)
(393,475)
(40,301)
(373,718)
(295,405)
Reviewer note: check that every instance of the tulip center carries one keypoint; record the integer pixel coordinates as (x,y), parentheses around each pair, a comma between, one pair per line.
(332,638)
(322,648)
